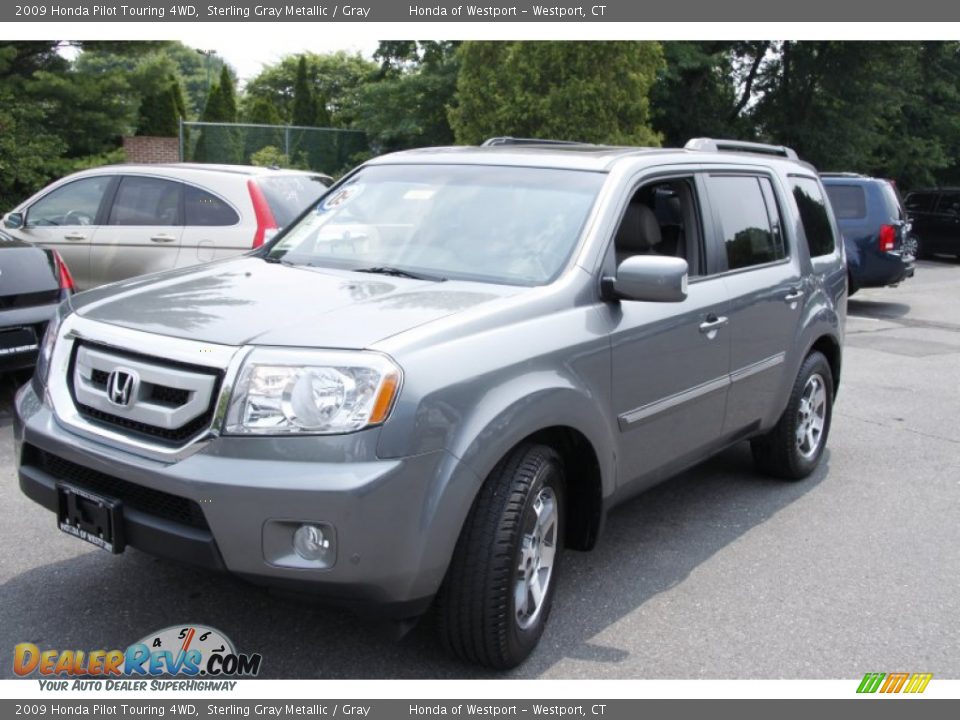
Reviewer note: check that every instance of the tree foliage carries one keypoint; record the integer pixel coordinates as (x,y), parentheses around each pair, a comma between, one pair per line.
(220,144)
(408,105)
(332,78)
(595,92)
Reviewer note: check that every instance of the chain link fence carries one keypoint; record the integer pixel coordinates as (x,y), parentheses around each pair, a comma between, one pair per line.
(327,150)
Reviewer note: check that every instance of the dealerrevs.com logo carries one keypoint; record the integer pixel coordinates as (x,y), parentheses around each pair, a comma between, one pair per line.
(183,651)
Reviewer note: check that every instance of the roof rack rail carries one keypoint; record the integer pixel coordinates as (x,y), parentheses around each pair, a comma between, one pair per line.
(715,145)
(506,140)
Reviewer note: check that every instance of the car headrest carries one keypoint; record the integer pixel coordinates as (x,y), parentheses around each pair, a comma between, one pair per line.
(639,229)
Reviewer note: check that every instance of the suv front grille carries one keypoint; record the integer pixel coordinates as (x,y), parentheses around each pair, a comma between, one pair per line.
(173,403)
(176,436)
(147,500)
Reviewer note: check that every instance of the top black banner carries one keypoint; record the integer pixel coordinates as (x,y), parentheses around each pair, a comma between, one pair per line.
(484,11)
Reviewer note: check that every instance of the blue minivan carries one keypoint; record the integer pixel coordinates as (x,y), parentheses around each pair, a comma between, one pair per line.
(875,229)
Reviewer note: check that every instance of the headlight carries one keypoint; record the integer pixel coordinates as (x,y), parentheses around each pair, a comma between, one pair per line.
(314,392)
(42,369)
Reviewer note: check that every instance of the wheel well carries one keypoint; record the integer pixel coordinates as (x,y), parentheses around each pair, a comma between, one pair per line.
(584,487)
(830,349)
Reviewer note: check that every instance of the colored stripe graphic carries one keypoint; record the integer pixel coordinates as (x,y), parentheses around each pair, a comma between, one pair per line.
(918,682)
(894,682)
(870,682)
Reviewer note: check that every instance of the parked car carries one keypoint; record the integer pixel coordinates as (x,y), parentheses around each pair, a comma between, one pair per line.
(875,229)
(33,282)
(935,215)
(446,372)
(115,222)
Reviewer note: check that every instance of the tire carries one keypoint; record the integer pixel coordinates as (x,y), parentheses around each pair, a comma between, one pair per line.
(792,450)
(487,608)
(920,253)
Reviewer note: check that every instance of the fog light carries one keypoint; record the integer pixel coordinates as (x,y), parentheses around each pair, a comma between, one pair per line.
(311,544)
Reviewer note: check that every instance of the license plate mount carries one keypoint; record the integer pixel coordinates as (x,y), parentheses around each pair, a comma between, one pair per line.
(90,517)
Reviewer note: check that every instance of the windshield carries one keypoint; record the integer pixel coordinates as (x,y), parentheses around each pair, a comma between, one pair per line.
(289,195)
(513,225)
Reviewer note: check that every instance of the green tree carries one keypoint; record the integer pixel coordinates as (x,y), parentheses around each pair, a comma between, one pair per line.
(262,113)
(408,105)
(697,93)
(160,112)
(833,102)
(333,78)
(304,105)
(220,143)
(587,91)
(197,70)
(921,147)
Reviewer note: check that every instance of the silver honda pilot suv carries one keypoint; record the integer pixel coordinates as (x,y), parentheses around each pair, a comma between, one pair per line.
(446,372)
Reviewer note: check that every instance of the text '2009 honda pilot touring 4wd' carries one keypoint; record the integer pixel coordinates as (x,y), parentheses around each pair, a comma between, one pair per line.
(447,371)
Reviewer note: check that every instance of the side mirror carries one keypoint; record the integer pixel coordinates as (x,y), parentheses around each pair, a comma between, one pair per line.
(649,278)
(13,221)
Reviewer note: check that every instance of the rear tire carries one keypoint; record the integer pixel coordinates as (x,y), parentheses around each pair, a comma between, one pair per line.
(792,450)
(497,595)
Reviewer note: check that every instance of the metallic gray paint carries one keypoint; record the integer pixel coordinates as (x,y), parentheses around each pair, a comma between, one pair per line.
(485,366)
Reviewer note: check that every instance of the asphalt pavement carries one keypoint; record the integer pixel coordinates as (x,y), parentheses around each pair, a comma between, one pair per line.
(718,573)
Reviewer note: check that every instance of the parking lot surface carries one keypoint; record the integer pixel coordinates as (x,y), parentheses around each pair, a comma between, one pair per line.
(718,573)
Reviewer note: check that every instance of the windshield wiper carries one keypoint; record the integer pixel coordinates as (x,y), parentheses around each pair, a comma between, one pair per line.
(398,272)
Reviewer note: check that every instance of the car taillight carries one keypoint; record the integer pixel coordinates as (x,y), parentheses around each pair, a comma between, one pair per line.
(63,273)
(888,238)
(263,213)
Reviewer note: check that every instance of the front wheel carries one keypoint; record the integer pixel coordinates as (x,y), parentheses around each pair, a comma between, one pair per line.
(793,448)
(497,595)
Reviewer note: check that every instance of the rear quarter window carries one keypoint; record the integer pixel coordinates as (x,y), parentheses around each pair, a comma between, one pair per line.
(849,201)
(205,210)
(814,215)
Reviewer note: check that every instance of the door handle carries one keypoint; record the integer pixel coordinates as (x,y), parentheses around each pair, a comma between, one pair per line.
(163,238)
(74,236)
(713,323)
(794,295)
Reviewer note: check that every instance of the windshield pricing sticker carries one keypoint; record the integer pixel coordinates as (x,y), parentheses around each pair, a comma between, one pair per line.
(340,198)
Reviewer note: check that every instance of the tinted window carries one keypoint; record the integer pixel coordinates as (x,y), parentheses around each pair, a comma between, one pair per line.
(920,202)
(849,201)
(75,203)
(290,195)
(745,221)
(203,209)
(813,215)
(949,203)
(146,201)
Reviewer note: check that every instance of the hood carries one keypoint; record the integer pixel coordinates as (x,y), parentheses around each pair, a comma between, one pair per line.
(249,301)
(24,269)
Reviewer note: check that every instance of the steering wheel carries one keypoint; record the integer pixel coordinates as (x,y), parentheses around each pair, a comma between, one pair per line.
(77,217)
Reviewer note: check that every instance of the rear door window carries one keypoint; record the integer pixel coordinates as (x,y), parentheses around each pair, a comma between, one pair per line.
(849,201)
(813,215)
(750,226)
(146,201)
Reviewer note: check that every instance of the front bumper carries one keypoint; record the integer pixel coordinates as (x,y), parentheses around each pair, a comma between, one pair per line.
(395,526)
